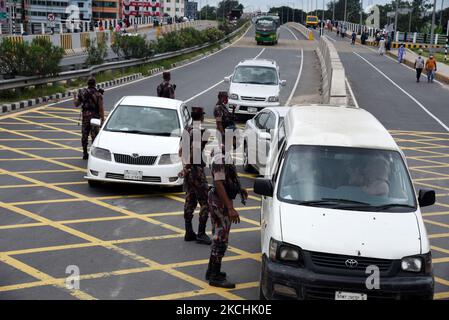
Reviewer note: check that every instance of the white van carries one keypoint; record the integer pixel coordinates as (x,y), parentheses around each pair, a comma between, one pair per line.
(254,85)
(340,218)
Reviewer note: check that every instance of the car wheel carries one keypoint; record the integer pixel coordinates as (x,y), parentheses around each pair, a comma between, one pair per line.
(94,184)
(246,166)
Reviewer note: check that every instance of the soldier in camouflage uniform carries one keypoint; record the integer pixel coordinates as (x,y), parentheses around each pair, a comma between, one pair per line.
(195,181)
(223,118)
(222,212)
(91,101)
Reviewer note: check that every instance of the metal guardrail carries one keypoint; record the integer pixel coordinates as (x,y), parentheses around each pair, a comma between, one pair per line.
(67,75)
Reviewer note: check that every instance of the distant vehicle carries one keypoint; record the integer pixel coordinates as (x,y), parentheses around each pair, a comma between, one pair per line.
(338,205)
(260,132)
(254,85)
(267,30)
(312,21)
(139,143)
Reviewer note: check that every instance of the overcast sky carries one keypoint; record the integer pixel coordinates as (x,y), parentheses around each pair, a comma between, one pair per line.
(264,5)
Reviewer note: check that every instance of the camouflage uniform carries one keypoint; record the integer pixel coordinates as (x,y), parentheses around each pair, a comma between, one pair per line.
(222,114)
(196,184)
(90,110)
(221,222)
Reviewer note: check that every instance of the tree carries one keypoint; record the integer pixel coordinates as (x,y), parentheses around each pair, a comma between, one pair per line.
(287,14)
(226,6)
(207,12)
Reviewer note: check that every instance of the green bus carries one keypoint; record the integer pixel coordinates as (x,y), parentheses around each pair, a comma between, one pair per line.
(267,29)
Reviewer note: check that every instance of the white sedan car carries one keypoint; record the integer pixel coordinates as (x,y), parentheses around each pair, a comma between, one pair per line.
(139,143)
(261,133)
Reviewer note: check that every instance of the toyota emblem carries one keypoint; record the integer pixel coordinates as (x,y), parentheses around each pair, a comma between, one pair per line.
(351,263)
(135,155)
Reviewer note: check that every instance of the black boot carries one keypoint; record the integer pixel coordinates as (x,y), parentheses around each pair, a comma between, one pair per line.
(218,280)
(202,237)
(190,235)
(85,154)
(222,274)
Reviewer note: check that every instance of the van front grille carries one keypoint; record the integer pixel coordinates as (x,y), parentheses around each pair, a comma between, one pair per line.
(139,160)
(337,261)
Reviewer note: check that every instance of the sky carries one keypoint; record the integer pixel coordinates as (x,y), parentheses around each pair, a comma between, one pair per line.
(264,5)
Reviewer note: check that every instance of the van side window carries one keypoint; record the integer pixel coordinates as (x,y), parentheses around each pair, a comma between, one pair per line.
(186,115)
(278,162)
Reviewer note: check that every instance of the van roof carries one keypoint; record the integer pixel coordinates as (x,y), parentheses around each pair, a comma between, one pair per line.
(151,101)
(336,126)
(258,63)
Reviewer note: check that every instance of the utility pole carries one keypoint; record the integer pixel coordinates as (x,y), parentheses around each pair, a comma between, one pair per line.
(322,21)
(361,15)
(441,14)
(344,17)
(447,41)
(333,11)
(396,17)
(432,30)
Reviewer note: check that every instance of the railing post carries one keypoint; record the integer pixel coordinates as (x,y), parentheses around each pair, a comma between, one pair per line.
(436,39)
(414,37)
(396,38)
(43,27)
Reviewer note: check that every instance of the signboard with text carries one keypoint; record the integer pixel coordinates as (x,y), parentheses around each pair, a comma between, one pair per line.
(3,13)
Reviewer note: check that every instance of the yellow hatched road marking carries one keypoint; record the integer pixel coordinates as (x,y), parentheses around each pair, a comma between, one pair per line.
(440,224)
(439,249)
(441,295)
(432,214)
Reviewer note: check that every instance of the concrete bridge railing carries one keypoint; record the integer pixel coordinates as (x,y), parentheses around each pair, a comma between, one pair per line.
(333,74)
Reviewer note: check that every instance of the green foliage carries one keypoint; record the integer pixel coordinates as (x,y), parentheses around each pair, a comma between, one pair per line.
(38,58)
(96,51)
(132,46)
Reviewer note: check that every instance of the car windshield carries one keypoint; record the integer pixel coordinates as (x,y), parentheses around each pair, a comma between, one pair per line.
(265,25)
(144,120)
(346,178)
(255,75)
(312,19)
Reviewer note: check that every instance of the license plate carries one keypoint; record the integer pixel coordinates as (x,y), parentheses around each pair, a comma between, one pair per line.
(252,110)
(133,175)
(341,295)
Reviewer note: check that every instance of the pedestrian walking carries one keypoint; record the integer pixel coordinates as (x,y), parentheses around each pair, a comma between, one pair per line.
(381,46)
(223,117)
(195,181)
(431,68)
(166,89)
(401,53)
(91,101)
(419,65)
(338,30)
(353,37)
(226,187)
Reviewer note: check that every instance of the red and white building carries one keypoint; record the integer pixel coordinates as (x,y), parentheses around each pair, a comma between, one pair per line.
(141,8)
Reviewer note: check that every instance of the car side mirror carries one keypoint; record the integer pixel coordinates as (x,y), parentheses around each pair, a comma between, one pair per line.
(265,136)
(426,198)
(227,79)
(95,122)
(263,187)
(283,83)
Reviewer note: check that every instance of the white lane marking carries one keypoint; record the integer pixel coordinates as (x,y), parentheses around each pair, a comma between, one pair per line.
(154,75)
(405,92)
(295,87)
(294,35)
(217,84)
(352,93)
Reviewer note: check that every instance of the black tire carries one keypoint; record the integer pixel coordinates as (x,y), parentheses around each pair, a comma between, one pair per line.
(93,183)
(246,166)
(261,295)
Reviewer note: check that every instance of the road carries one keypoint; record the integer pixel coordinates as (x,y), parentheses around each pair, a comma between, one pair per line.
(127,242)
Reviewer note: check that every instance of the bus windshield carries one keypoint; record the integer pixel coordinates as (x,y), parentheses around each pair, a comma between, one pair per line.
(265,25)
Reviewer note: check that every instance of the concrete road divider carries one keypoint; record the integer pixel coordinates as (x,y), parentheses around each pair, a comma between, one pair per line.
(306,32)
(333,74)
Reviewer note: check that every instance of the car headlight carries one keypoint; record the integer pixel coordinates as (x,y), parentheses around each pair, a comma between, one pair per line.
(169,159)
(285,253)
(273,99)
(411,264)
(234,96)
(100,153)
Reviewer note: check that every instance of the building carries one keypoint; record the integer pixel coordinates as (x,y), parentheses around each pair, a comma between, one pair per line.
(191,8)
(173,8)
(106,9)
(141,8)
(16,13)
(63,10)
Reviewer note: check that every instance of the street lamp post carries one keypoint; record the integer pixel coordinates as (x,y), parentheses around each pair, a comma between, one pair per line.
(432,30)
(396,17)
(441,14)
(346,5)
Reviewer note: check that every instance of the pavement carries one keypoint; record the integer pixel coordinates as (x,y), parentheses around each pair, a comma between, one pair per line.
(127,241)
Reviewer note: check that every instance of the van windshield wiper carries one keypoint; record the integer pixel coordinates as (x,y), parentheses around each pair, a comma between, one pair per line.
(392,205)
(330,201)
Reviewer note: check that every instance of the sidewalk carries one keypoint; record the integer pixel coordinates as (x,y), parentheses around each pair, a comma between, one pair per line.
(442,73)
